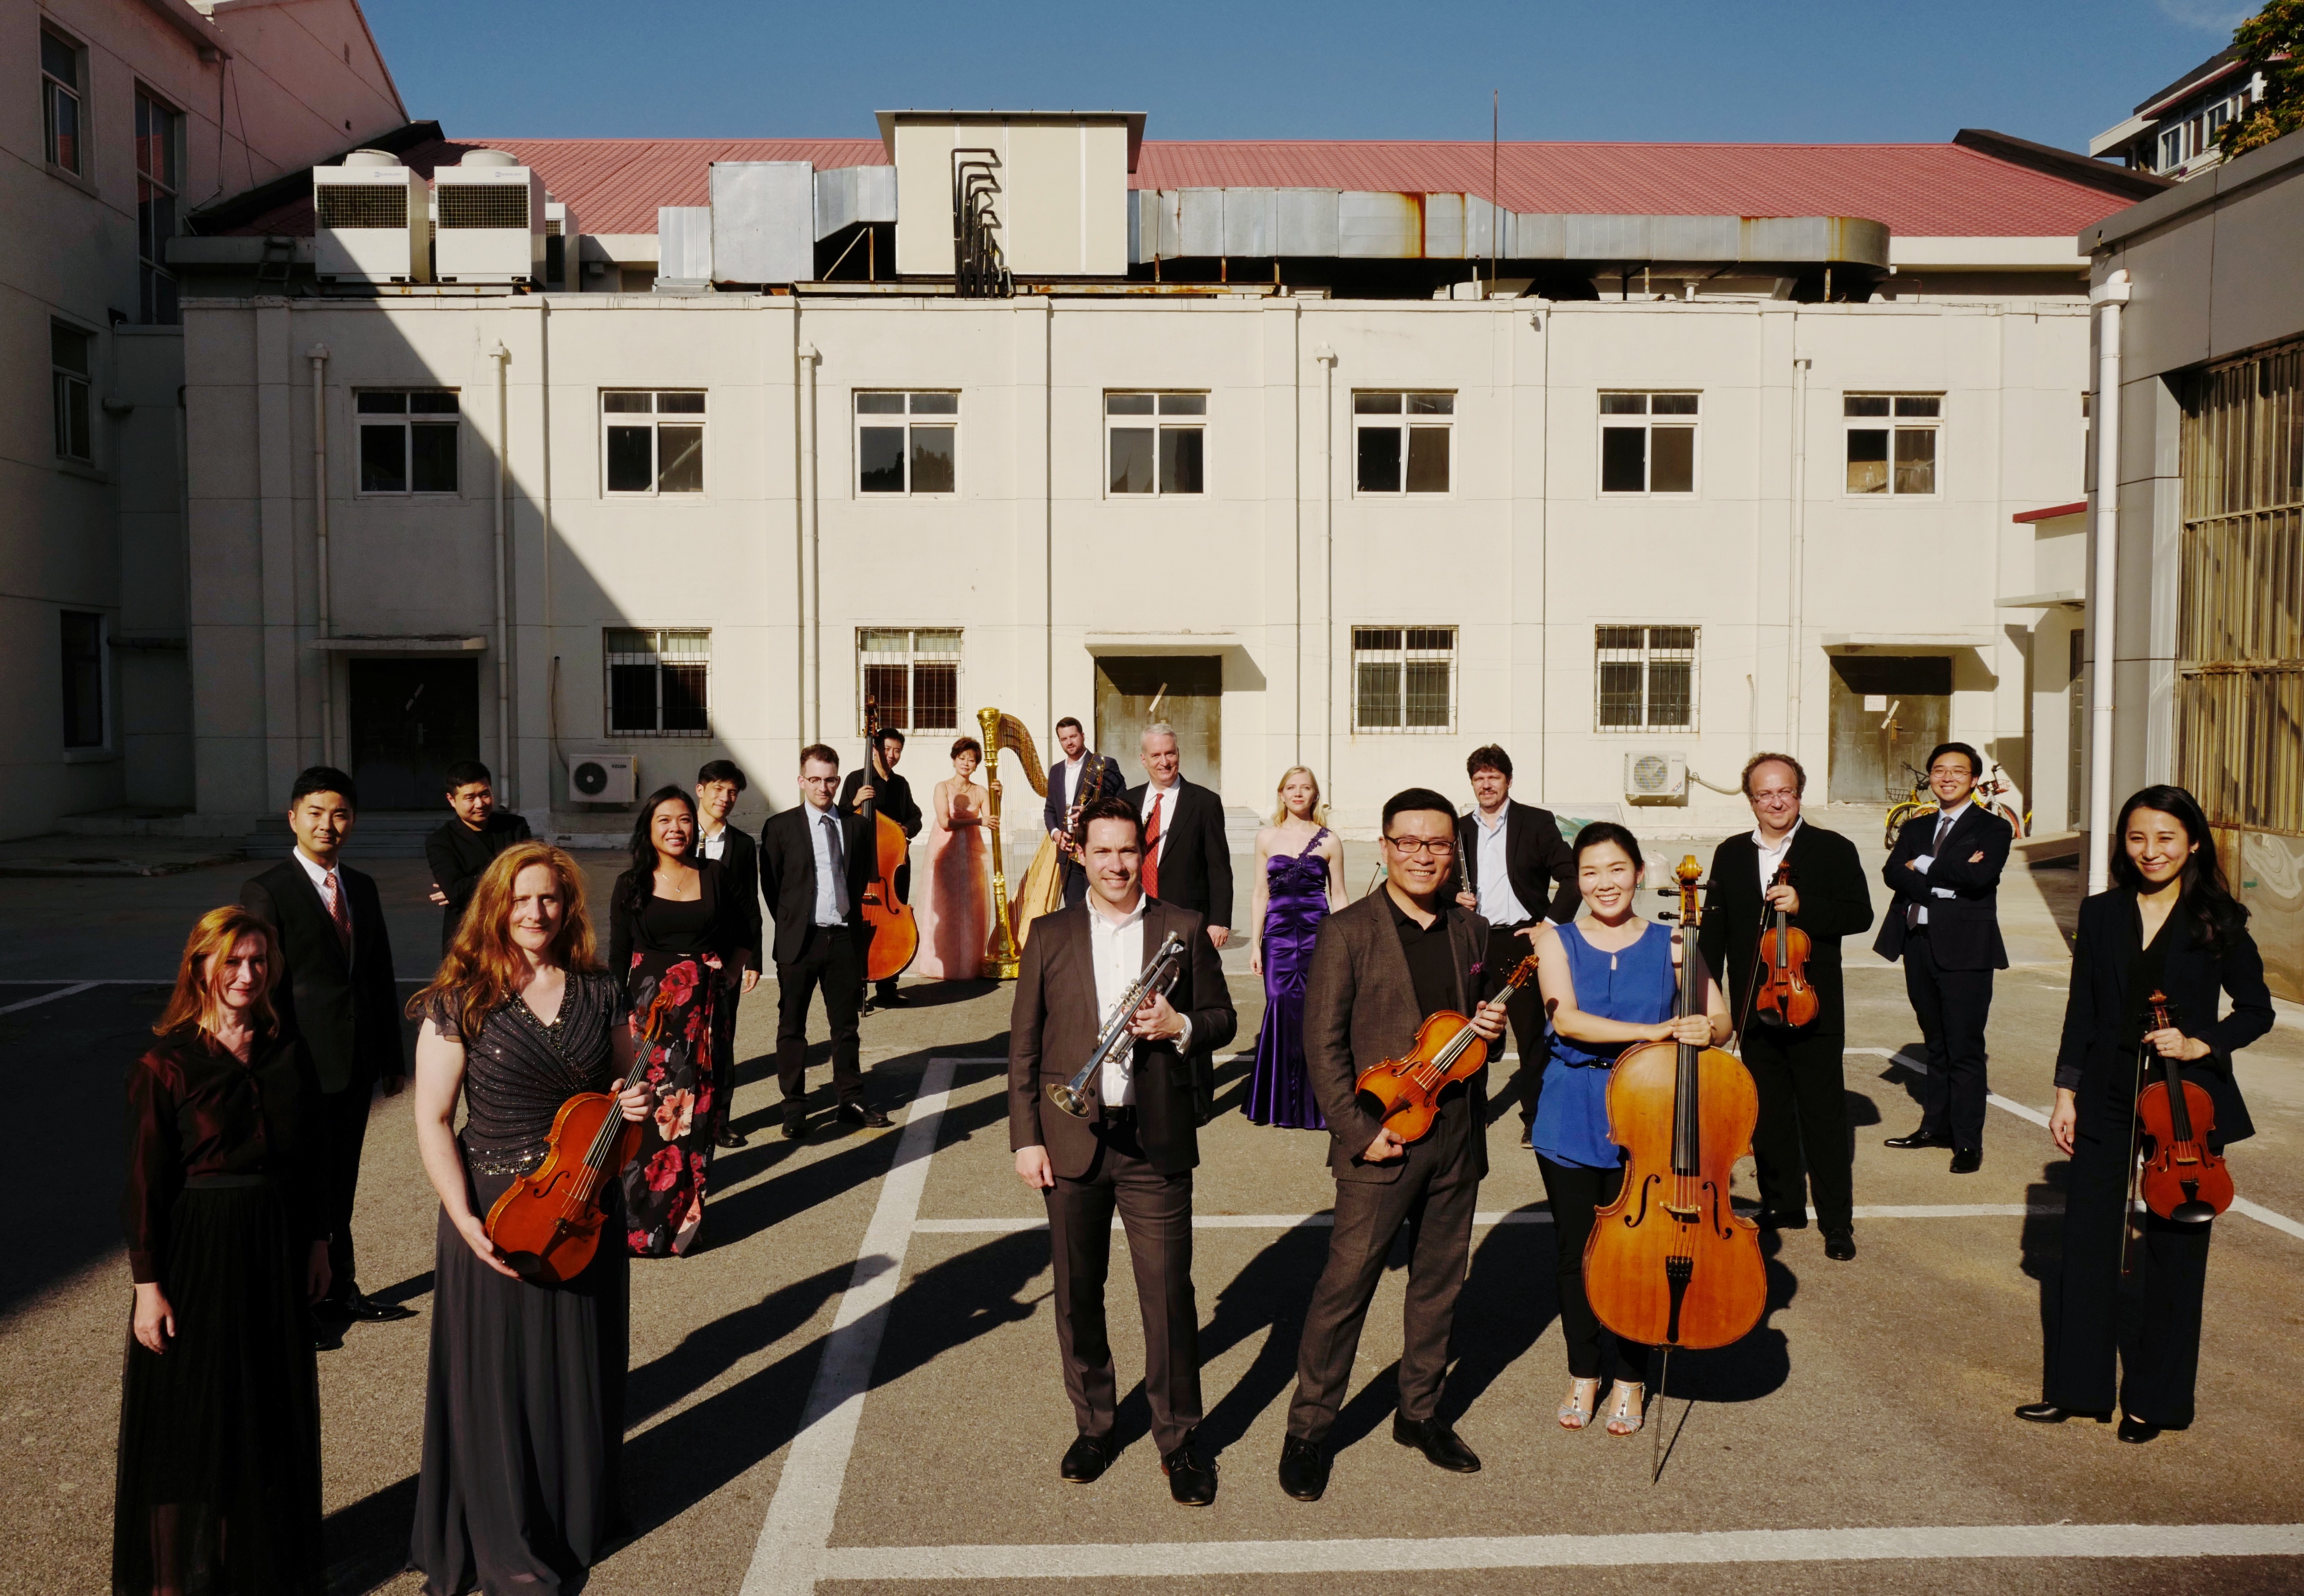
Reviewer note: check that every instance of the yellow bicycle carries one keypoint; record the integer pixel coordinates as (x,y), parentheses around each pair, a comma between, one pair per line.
(1991,792)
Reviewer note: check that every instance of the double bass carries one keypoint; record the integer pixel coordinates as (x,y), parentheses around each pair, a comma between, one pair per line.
(1782,996)
(895,934)
(2181,1178)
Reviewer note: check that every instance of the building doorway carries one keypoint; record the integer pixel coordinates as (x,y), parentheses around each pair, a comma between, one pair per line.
(1888,710)
(410,720)
(1189,689)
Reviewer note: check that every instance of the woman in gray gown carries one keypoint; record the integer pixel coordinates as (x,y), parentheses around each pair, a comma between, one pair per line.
(523,1413)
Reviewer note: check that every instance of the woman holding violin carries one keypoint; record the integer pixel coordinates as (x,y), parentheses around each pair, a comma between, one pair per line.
(523,1410)
(2169,925)
(1608,981)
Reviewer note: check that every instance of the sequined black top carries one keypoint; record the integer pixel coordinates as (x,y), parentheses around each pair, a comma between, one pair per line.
(519,1071)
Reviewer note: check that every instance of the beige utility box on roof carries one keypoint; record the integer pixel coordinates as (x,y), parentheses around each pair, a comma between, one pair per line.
(1062,195)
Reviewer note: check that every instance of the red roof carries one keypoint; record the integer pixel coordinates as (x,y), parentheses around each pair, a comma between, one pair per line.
(615,185)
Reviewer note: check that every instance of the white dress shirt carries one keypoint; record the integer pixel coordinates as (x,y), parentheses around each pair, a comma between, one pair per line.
(1945,820)
(323,877)
(1116,952)
(1067,778)
(1772,855)
(831,878)
(1166,796)
(1499,904)
(713,846)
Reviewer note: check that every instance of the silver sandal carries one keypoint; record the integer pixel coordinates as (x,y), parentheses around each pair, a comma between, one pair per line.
(1631,1409)
(1574,1414)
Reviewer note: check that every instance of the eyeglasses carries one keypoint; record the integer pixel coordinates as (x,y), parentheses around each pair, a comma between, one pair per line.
(1416,845)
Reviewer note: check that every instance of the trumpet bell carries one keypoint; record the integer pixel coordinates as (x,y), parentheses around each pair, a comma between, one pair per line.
(1068,1100)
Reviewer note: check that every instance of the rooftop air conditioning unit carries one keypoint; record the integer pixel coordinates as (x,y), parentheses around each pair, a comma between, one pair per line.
(559,244)
(373,222)
(491,221)
(600,777)
(1656,777)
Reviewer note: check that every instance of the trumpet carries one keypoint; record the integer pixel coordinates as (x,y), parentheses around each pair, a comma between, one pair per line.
(1158,976)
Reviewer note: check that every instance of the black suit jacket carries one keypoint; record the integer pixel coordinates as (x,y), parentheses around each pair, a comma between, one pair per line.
(1835,902)
(1963,929)
(1052,1031)
(347,1011)
(892,795)
(740,890)
(1542,868)
(1052,812)
(1196,859)
(788,876)
(2094,1059)
(460,856)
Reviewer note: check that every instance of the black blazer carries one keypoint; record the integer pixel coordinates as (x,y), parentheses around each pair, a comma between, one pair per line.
(1051,813)
(1196,858)
(627,933)
(1963,929)
(348,1013)
(1052,1031)
(2094,1060)
(788,875)
(740,890)
(1835,902)
(1541,866)
(460,856)
(892,795)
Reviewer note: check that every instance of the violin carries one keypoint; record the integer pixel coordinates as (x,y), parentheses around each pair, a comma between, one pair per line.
(895,934)
(2182,1179)
(1447,1050)
(1781,995)
(1669,1261)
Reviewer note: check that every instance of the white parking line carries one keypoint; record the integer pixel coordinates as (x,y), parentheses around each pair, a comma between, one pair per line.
(50,997)
(1014,1224)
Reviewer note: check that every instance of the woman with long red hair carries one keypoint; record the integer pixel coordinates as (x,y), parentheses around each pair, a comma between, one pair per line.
(524,1408)
(219,1464)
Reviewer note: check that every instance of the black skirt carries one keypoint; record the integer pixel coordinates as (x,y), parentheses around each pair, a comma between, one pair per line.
(219,1471)
(523,1418)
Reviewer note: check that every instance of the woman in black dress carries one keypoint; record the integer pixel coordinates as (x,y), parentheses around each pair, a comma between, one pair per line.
(2170,924)
(524,1404)
(219,1467)
(671,931)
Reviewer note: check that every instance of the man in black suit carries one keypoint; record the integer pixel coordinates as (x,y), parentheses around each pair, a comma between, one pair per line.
(1801,1143)
(1945,926)
(892,795)
(337,991)
(814,861)
(1518,874)
(1133,1149)
(1187,858)
(718,785)
(1380,968)
(461,851)
(1079,777)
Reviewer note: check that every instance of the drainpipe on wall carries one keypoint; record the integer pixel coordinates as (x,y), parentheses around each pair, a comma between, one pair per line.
(318,356)
(502,358)
(811,645)
(1327,357)
(1796,565)
(2106,297)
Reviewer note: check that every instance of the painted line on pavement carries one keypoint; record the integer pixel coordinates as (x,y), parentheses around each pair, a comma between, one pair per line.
(787,1557)
(1015,1224)
(50,997)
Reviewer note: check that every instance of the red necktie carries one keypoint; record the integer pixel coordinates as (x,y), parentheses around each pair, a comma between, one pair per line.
(1152,848)
(338,914)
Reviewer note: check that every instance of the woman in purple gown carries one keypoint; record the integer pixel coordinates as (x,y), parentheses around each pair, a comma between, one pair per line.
(1299,872)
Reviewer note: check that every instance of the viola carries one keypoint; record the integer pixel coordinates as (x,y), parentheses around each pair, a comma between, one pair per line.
(895,934)
(2182,1180)
(1669,1261)
(1781,995)
(1447,1050)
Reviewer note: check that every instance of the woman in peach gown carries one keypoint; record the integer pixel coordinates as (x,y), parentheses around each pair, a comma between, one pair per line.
(955,912)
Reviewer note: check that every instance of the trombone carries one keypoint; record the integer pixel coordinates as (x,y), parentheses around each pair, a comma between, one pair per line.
(1158,975)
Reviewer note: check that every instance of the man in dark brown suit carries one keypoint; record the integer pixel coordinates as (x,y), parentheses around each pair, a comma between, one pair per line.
(1379,969)
(1134,1149)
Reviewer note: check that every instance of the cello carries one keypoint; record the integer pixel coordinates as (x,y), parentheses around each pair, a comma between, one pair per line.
(895,934)
(1781,994)
(2182,1179)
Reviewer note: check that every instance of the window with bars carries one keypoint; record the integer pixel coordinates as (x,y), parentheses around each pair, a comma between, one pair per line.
(910,676)
(659,682)
(70,361)
(1645,677)
(1403,678)
(1892,442)
(1155,443)
(83,680)
(907,444)
(1648,443)
(62,63)
(652,443)
(1401,441)
(159,173)
(407,441)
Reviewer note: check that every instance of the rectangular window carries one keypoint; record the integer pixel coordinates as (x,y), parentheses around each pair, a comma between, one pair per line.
(69,352)
(1403,678)
(1401,442)
(60,102)
(2172,149)
(1150,447)
(159,173)
(910,679)
(907,444)
(83,680)
(659,682)
(1892,442)
(1645,677)
(653,442)
(1648,443)
(407,441)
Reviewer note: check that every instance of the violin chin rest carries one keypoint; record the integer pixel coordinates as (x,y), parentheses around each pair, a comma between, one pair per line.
(529,1267)
(2195,1213)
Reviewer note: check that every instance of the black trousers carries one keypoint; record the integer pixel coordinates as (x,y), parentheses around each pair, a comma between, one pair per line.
(344,1114)
(1952,1007)
(2155,1385)
(1575,1194)
(723,1048)
(1156,1213)
(1802,1145)
(832,958)
(1525,1009)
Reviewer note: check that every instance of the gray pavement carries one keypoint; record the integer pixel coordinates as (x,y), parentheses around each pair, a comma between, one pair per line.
(1859,1440)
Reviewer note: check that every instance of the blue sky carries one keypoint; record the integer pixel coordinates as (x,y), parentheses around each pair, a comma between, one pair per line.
(1729,70)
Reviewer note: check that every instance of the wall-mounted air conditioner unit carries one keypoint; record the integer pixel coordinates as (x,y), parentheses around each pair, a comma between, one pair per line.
(601,778)
(559,246)
(491,221)
(373,222)
(1656,777)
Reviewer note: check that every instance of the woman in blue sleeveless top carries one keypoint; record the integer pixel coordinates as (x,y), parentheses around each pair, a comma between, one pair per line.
(1608,981)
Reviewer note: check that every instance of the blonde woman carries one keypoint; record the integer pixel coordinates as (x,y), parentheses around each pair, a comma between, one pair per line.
(1299,872)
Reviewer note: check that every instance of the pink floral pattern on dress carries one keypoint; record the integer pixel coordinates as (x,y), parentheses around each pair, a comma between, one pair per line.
(671,1029)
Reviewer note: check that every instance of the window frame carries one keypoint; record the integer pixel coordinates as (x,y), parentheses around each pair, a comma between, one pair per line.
(63,384)
(657,654)
(151,245)
(1407,425)
(910,659)
(908,420)
(1894,424)
(51,87)
(1156,421)
(1368,652)
(1650,653)
(405,421)
(1647,424)
(654,421)
(102,663)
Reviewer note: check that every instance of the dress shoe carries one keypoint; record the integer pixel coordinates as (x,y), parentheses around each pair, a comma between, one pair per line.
(1782,1218)
(2135,1431)
(861,1113)
(1922,1138)
(1303,1469)
(730,1138)
(1526,1142)
(1840,1246)
(352,1305)
(327,1336)
(1085,1459)
(891,999)
(1441,1446)
(795,1127)
(1967,1160)
(1192,1472)
(2048,1413)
